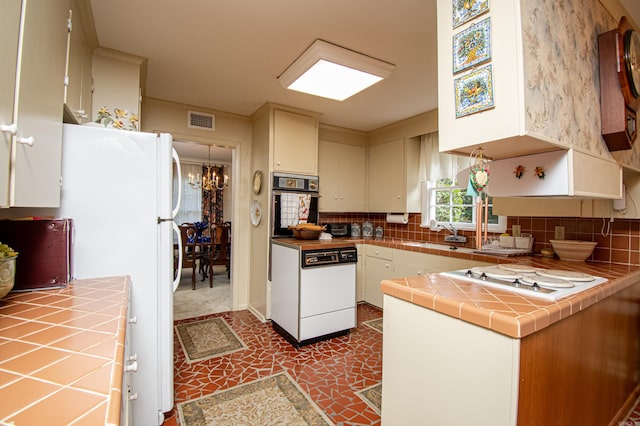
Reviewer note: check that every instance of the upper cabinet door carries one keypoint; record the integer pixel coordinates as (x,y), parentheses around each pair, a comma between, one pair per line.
(35,179)
(342,169)
(9,31)
(77,95)
(295,143)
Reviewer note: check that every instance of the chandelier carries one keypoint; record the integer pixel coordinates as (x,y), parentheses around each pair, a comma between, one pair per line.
(211,180)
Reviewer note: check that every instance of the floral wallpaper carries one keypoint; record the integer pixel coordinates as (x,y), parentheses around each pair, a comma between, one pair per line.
(560,50)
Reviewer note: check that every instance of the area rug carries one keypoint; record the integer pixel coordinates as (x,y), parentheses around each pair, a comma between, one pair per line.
(376,324)
(372,396)
(201,340)
(274,400)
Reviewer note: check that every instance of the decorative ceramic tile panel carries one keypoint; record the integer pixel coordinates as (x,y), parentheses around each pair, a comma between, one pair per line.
(466,10)
(474,91)
(472,46)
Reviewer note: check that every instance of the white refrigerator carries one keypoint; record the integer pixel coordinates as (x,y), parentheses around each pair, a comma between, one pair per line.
(117,188)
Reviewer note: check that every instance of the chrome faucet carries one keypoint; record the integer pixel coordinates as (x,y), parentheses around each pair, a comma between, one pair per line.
(454,238)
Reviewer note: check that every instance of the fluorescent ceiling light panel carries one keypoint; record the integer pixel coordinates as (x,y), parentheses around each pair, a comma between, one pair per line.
(334,72)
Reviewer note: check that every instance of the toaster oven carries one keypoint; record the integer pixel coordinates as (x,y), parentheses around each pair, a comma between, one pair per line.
(339,229)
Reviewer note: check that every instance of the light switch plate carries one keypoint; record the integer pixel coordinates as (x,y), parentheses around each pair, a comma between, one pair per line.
(559,233)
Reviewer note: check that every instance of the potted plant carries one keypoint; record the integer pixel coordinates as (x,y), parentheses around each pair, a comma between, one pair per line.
(7,269)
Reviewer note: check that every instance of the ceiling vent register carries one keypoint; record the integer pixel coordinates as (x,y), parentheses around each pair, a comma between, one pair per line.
(201,120)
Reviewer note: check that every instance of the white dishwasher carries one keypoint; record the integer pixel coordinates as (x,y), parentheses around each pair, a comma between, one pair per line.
(313,292)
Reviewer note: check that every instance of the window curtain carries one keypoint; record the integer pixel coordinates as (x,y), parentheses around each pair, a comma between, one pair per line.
(435,165)
(212,201)
(191,203)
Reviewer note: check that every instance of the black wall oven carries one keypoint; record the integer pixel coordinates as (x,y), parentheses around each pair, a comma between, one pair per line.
(284,188)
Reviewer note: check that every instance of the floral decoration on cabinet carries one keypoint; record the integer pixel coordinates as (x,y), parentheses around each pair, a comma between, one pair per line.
(121,119)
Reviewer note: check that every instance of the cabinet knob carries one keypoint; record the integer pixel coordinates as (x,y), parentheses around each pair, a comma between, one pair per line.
(9,128)
(133,396)
(335,197)
(398,197)
(131,367)
(386,265)
(26,141)
(278,163)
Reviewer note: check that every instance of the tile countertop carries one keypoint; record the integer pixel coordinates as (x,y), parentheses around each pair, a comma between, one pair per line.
(503,311)
(61,353)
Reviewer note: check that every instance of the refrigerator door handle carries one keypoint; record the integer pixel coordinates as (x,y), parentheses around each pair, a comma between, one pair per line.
(174,154)
(176,280)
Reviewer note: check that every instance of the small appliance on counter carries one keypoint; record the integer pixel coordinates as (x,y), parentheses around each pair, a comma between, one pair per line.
(45,254)
(339,229)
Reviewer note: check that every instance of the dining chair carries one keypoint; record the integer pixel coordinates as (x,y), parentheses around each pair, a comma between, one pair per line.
(189,254)
(222,249)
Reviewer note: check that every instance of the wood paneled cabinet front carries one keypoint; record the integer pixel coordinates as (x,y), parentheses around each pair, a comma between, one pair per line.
(295,143)
(341,169)
(31,99)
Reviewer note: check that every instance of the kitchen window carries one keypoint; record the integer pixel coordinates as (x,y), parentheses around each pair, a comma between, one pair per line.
(444,192)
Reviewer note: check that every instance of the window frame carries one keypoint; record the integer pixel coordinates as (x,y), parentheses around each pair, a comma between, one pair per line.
(428,210)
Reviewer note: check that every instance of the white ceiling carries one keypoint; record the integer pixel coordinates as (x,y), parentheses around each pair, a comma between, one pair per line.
(227,54)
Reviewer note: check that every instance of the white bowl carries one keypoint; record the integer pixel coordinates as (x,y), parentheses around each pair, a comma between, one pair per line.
(573,249)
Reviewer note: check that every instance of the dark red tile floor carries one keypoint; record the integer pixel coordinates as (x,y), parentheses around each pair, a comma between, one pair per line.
(330,372)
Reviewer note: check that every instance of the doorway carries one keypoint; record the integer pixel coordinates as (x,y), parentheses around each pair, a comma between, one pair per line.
(194,157)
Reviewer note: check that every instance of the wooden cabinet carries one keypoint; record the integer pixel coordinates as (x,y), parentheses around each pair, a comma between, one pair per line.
(341,169)
(295,143)
(33,111)
(393,183)
(78,79)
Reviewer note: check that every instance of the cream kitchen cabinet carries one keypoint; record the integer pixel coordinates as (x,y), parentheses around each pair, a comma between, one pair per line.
(378,266)
(295,143)
(360,273)
(531,43)
(78,79)
(341,169)
(31,98)
(393,183)
(117,81)
(381,263)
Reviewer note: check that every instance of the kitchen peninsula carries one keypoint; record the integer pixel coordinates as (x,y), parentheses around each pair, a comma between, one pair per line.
(460,353)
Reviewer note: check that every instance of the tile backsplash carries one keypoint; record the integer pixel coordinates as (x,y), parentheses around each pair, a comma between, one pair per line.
(618,241)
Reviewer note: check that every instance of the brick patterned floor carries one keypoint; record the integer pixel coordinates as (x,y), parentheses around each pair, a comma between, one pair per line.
(331,372)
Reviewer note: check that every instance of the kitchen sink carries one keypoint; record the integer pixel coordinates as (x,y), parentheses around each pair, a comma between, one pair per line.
(443,247)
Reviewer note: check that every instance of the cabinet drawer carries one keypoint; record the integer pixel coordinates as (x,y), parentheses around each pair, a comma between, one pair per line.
(379,252)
